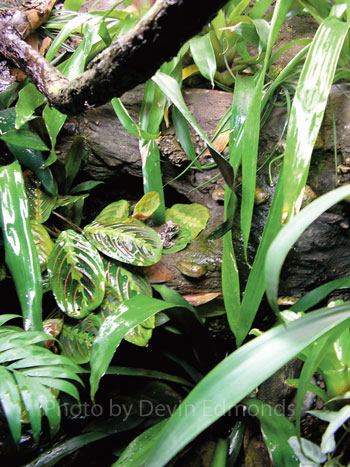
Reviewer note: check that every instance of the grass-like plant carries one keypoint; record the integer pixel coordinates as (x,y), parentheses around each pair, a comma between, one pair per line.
(109,302)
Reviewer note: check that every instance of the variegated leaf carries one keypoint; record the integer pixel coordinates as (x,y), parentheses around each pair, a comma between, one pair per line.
(142,333)
(40,203)
(69,199)
(42,241)
(114,211)
(76,275)
(127,240)
(123,285)
(182,239)
(126,283)
(147,205)
(193,217)
(77,339)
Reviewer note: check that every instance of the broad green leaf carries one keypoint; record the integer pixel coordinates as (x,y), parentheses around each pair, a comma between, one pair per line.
(276,429)
(21,257)
(10,402)
(181,239)
(114,211)
(126,240)
(251,364)
(24,138)
(128,315)
(259,9)
(40,203)
(127,284)
(142,333)
(136,451)
(42,242)
(308,107)
(147,205)
(203,55)
(290,233)
(73,161)
(193,217)
(29,98)
(54,121)
(7,317)
(76,274)
(85,186)
(77,339)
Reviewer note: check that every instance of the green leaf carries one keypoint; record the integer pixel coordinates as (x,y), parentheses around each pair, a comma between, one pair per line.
(203,55)
(308,106)
(24,138)
(11,402)
(126,240)
(193,217)
(29,98)
(147,205)
(21,257)
(251,364)
(127,284)
(54,121)
(276,429)
(308,453)
(42,242)
(184,137)
(290,233)
(181,239)
(136,451)
(76,274)
(77,339)
(40,203)
(328,443)
(128,315)
(128,123)
(114,211)
(142,333)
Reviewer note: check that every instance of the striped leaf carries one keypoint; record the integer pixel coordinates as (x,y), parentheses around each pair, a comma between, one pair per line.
(112,212)
(42,242)
(182,239)
(147,205)
(128,241)
(142,333)
(76,275)
(123,285)
(126,283)
(40,203)
(77,339)
(193,217)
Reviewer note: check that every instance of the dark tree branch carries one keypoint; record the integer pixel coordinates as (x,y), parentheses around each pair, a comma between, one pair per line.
(129,61)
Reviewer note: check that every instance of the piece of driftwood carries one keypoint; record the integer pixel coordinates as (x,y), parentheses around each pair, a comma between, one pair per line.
(321,254)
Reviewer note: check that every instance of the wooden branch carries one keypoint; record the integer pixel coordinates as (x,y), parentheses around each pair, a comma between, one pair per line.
(129,61)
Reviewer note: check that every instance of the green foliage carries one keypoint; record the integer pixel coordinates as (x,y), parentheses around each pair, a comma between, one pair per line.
(95,272)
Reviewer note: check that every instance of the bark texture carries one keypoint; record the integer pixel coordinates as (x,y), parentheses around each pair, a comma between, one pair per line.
(130,60)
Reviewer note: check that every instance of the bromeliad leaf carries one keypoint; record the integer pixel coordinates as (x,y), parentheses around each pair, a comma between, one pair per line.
(147,205)
(112,212)
(42,242)
(128,241)
(77,339)
(193,217)
(76,274)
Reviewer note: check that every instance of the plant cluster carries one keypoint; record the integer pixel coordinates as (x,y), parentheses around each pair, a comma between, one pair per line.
(95,271)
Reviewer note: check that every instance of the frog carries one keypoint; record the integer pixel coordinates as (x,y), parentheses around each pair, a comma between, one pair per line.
(167,232)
